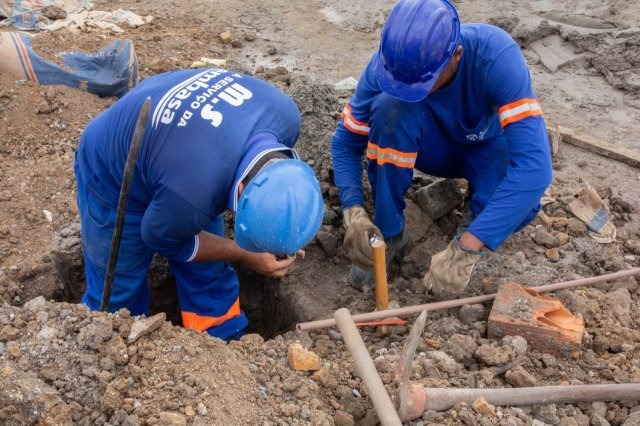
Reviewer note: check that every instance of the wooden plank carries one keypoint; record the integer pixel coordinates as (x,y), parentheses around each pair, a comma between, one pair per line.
(599,147)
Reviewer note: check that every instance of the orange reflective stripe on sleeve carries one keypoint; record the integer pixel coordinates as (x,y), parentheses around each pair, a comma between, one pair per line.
(352,124)
(202,323)
(518,110)
(391,156)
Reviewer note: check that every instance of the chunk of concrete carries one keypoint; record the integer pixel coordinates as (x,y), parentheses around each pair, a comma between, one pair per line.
(348,84)
(439,197)
(416,222)
(144,326)
(555,53)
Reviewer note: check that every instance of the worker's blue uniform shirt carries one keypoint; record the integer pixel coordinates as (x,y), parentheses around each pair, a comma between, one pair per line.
(201,125)
(485,126)
(205,130)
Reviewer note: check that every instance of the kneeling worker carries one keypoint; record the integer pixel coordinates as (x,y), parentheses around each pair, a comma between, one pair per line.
(449,100)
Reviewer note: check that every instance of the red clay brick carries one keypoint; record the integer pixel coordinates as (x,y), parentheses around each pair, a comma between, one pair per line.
(544,321)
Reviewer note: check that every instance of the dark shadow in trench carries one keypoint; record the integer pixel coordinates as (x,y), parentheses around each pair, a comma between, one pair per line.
(267,307)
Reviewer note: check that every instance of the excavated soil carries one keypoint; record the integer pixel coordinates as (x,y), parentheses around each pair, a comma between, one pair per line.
(60,364)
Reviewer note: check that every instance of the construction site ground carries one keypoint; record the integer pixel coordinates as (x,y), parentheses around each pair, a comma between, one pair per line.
(60,364)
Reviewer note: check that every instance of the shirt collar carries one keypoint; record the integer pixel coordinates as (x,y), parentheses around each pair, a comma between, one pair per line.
(256,148)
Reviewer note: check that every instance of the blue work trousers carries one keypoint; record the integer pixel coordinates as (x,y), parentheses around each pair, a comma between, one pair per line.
(207,291)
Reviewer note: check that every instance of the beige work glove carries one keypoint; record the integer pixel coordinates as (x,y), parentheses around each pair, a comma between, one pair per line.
(451,269)
(359,230)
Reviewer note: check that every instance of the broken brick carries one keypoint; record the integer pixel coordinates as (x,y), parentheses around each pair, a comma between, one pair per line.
(544,321)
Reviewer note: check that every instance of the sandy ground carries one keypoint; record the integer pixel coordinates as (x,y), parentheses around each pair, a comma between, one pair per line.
(82,368)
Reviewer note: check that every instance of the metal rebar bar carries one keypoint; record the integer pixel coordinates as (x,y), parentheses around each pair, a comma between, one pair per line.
(447,304)
(441,399)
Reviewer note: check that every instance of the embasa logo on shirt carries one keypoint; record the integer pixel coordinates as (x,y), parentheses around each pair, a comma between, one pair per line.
(473,137)
(201,93)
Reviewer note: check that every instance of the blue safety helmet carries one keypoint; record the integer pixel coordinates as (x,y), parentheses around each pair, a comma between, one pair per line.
(418,40)
(280,210)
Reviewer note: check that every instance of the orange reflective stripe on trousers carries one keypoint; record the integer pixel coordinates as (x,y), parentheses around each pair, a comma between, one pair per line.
(202,323)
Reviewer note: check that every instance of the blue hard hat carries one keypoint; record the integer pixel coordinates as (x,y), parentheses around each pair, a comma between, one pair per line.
(418,40)
(280,210)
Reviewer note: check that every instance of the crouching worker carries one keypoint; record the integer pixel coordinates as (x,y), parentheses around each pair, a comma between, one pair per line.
(449,100)
(214,140)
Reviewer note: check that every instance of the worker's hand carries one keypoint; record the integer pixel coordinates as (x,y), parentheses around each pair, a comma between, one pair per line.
(451,269)
(359,230)
(267,264)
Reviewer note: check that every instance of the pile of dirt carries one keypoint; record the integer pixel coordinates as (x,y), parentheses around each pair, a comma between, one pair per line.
(63,365)
(60,364)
